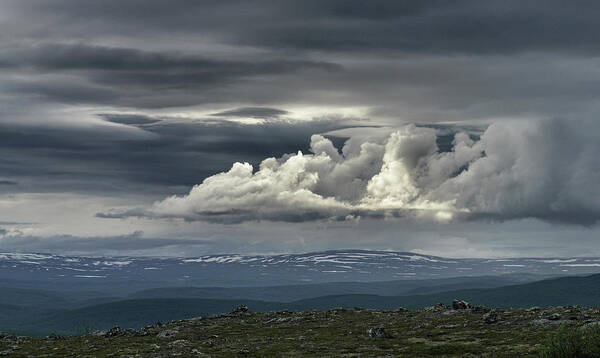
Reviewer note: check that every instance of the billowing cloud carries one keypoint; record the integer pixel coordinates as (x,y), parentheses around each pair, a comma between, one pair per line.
(540,169)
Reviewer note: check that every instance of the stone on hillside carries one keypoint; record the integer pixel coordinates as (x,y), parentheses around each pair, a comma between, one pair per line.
(436,308)
(55,337)
(378,332)
(167,333)
(481,309)
(114,332)
(583,317)
(241,311)
(178,343)
(554,317)
(490,317)
(461,305)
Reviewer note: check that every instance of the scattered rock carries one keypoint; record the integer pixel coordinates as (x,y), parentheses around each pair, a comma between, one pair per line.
(279,320)
(491,317)
(179,343)
(547,322)
(436,308)
(480,309)
(461,305)
(167,333)
(378,332)
(8,337)
(141,332)
(244,351)
(583,317)
(55,337)
(240,311)
(114,332)
(554,317)
(400,309)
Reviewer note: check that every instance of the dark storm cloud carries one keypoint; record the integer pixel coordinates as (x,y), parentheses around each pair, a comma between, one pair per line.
(422,60)
(438,26)
(61,90)
(252,112)
(129,119)
(74,244)
(84,57)
(467,26)
(99,74)
(8,182)
(173,154)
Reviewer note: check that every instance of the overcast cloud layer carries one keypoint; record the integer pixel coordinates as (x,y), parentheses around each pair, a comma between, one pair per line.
(184,120)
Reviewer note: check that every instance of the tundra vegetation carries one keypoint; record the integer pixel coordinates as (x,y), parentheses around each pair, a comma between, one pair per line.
(457,330)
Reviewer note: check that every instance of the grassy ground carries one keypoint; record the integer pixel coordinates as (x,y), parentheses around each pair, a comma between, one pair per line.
(334,333)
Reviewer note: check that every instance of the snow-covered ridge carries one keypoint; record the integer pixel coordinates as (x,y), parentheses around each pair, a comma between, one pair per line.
(326,266)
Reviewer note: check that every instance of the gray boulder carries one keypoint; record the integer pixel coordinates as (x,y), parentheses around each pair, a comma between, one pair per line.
(554,317)
(436,308)
(167,333)
(240,311)
(461,305)
(490,317)
(114,332)
(378,332)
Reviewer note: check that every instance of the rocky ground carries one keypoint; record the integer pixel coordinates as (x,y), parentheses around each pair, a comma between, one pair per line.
(460,330)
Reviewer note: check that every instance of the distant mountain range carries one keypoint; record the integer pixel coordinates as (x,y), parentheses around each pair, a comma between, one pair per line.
(47,293)
(128,274)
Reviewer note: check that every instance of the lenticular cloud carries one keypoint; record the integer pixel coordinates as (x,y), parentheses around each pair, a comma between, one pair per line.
(542,169)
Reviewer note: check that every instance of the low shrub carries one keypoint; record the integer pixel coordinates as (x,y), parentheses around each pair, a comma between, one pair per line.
(573,342)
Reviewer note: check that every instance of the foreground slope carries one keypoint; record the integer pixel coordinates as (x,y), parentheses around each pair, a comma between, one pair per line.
(434,332)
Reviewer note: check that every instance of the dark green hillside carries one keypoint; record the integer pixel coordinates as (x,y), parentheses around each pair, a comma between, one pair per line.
(291,293)
(134,313)
(583,291)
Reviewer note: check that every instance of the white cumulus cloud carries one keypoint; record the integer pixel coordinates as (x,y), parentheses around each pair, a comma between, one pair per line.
(542,169)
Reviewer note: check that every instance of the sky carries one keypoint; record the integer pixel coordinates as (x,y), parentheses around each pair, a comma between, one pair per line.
(181,128)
